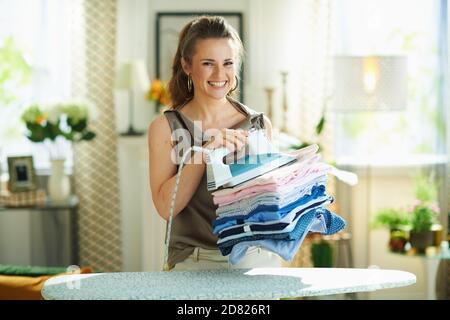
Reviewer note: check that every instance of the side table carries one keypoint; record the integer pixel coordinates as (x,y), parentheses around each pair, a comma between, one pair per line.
(50,211)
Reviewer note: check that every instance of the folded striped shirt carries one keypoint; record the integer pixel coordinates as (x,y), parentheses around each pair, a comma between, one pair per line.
(275,199)
(259,214)
(285,231)
(283,225)
(330,223)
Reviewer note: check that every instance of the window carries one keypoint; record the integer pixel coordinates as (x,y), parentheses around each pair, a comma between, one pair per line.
(405,27)
(40,29)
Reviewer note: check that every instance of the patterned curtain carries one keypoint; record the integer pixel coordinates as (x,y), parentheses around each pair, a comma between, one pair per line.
(95,162)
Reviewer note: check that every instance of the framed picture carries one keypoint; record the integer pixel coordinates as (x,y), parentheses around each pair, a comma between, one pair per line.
(22,176)
(168,27)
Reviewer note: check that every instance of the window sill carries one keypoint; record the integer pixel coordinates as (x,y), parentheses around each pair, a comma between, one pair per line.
(391,166)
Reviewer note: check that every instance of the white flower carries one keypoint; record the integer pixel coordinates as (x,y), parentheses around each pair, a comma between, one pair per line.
(53,112)
(79,109)
(31,113)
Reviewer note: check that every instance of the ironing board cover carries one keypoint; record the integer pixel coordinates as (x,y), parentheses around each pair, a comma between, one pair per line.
(258,283)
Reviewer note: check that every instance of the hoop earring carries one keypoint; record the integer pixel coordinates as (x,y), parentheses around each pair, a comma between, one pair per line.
(189,83)
(237,84)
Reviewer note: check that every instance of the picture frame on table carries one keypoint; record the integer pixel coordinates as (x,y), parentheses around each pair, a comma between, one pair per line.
(168,27)
(22,175)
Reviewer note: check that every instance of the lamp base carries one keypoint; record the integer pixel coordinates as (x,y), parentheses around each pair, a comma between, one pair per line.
(131,132)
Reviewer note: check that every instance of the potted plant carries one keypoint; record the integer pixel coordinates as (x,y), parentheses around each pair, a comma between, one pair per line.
(52,123)
(416,223)
(423,217)
(397,222)
(423,213)
(322,254)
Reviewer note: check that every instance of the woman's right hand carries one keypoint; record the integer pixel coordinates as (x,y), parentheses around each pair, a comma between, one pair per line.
(233,140)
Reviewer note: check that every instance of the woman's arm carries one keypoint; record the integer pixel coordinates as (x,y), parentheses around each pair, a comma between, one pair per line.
(163,171)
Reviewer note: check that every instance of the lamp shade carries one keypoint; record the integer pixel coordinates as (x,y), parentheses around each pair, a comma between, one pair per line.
(131,76)
(369,83)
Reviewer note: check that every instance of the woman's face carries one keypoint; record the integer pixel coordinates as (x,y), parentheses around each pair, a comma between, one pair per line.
(213,67)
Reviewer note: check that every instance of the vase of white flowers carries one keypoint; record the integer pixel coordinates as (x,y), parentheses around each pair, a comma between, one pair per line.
(51,124)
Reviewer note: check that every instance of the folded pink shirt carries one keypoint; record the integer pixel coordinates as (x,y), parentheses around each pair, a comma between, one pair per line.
(273,183)
(271,176)
(258,190)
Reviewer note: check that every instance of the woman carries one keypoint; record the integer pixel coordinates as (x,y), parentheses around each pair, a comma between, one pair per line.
(204,75)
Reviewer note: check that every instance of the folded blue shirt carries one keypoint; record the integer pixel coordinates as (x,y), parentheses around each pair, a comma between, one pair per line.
(333,223)
(262,213)
(330,223)
(283,225)
(275,198)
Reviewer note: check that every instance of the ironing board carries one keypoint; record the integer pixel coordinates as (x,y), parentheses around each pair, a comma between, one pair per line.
(257,283)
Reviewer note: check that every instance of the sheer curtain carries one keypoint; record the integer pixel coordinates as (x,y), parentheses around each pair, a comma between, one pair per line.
(70,45)
(310,77)
(41,30)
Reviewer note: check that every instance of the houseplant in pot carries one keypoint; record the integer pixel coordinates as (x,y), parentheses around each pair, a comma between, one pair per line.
(415,223)
(397,222)
(423,217)
(424,212)
(51,124)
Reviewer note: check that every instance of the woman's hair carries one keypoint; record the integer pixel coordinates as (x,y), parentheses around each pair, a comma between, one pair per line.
(204,27)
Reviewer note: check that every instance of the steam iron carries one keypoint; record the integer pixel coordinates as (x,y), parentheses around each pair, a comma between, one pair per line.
(260,159)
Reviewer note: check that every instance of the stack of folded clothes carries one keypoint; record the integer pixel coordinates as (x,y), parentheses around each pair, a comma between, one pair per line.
(276,210)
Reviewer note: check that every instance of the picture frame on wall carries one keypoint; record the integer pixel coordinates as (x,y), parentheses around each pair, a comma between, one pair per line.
(22,176)
(168,27)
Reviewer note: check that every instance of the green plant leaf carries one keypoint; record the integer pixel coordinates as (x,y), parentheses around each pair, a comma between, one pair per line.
(422,218)
(87,136)
(77,126)
(320,125)
(299,146)
(53,130)
(425,188)
(390,218)
(14,71)
(36,132)
(68,135)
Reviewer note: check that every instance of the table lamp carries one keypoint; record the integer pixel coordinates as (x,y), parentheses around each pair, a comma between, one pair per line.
(369,83)
(132,76)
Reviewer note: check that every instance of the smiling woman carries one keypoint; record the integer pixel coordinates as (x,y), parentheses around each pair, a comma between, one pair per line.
(168,28)
(213,71)
(205,52)
(204,77)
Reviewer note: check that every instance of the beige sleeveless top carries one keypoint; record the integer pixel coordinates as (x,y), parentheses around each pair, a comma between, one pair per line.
(192,227)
